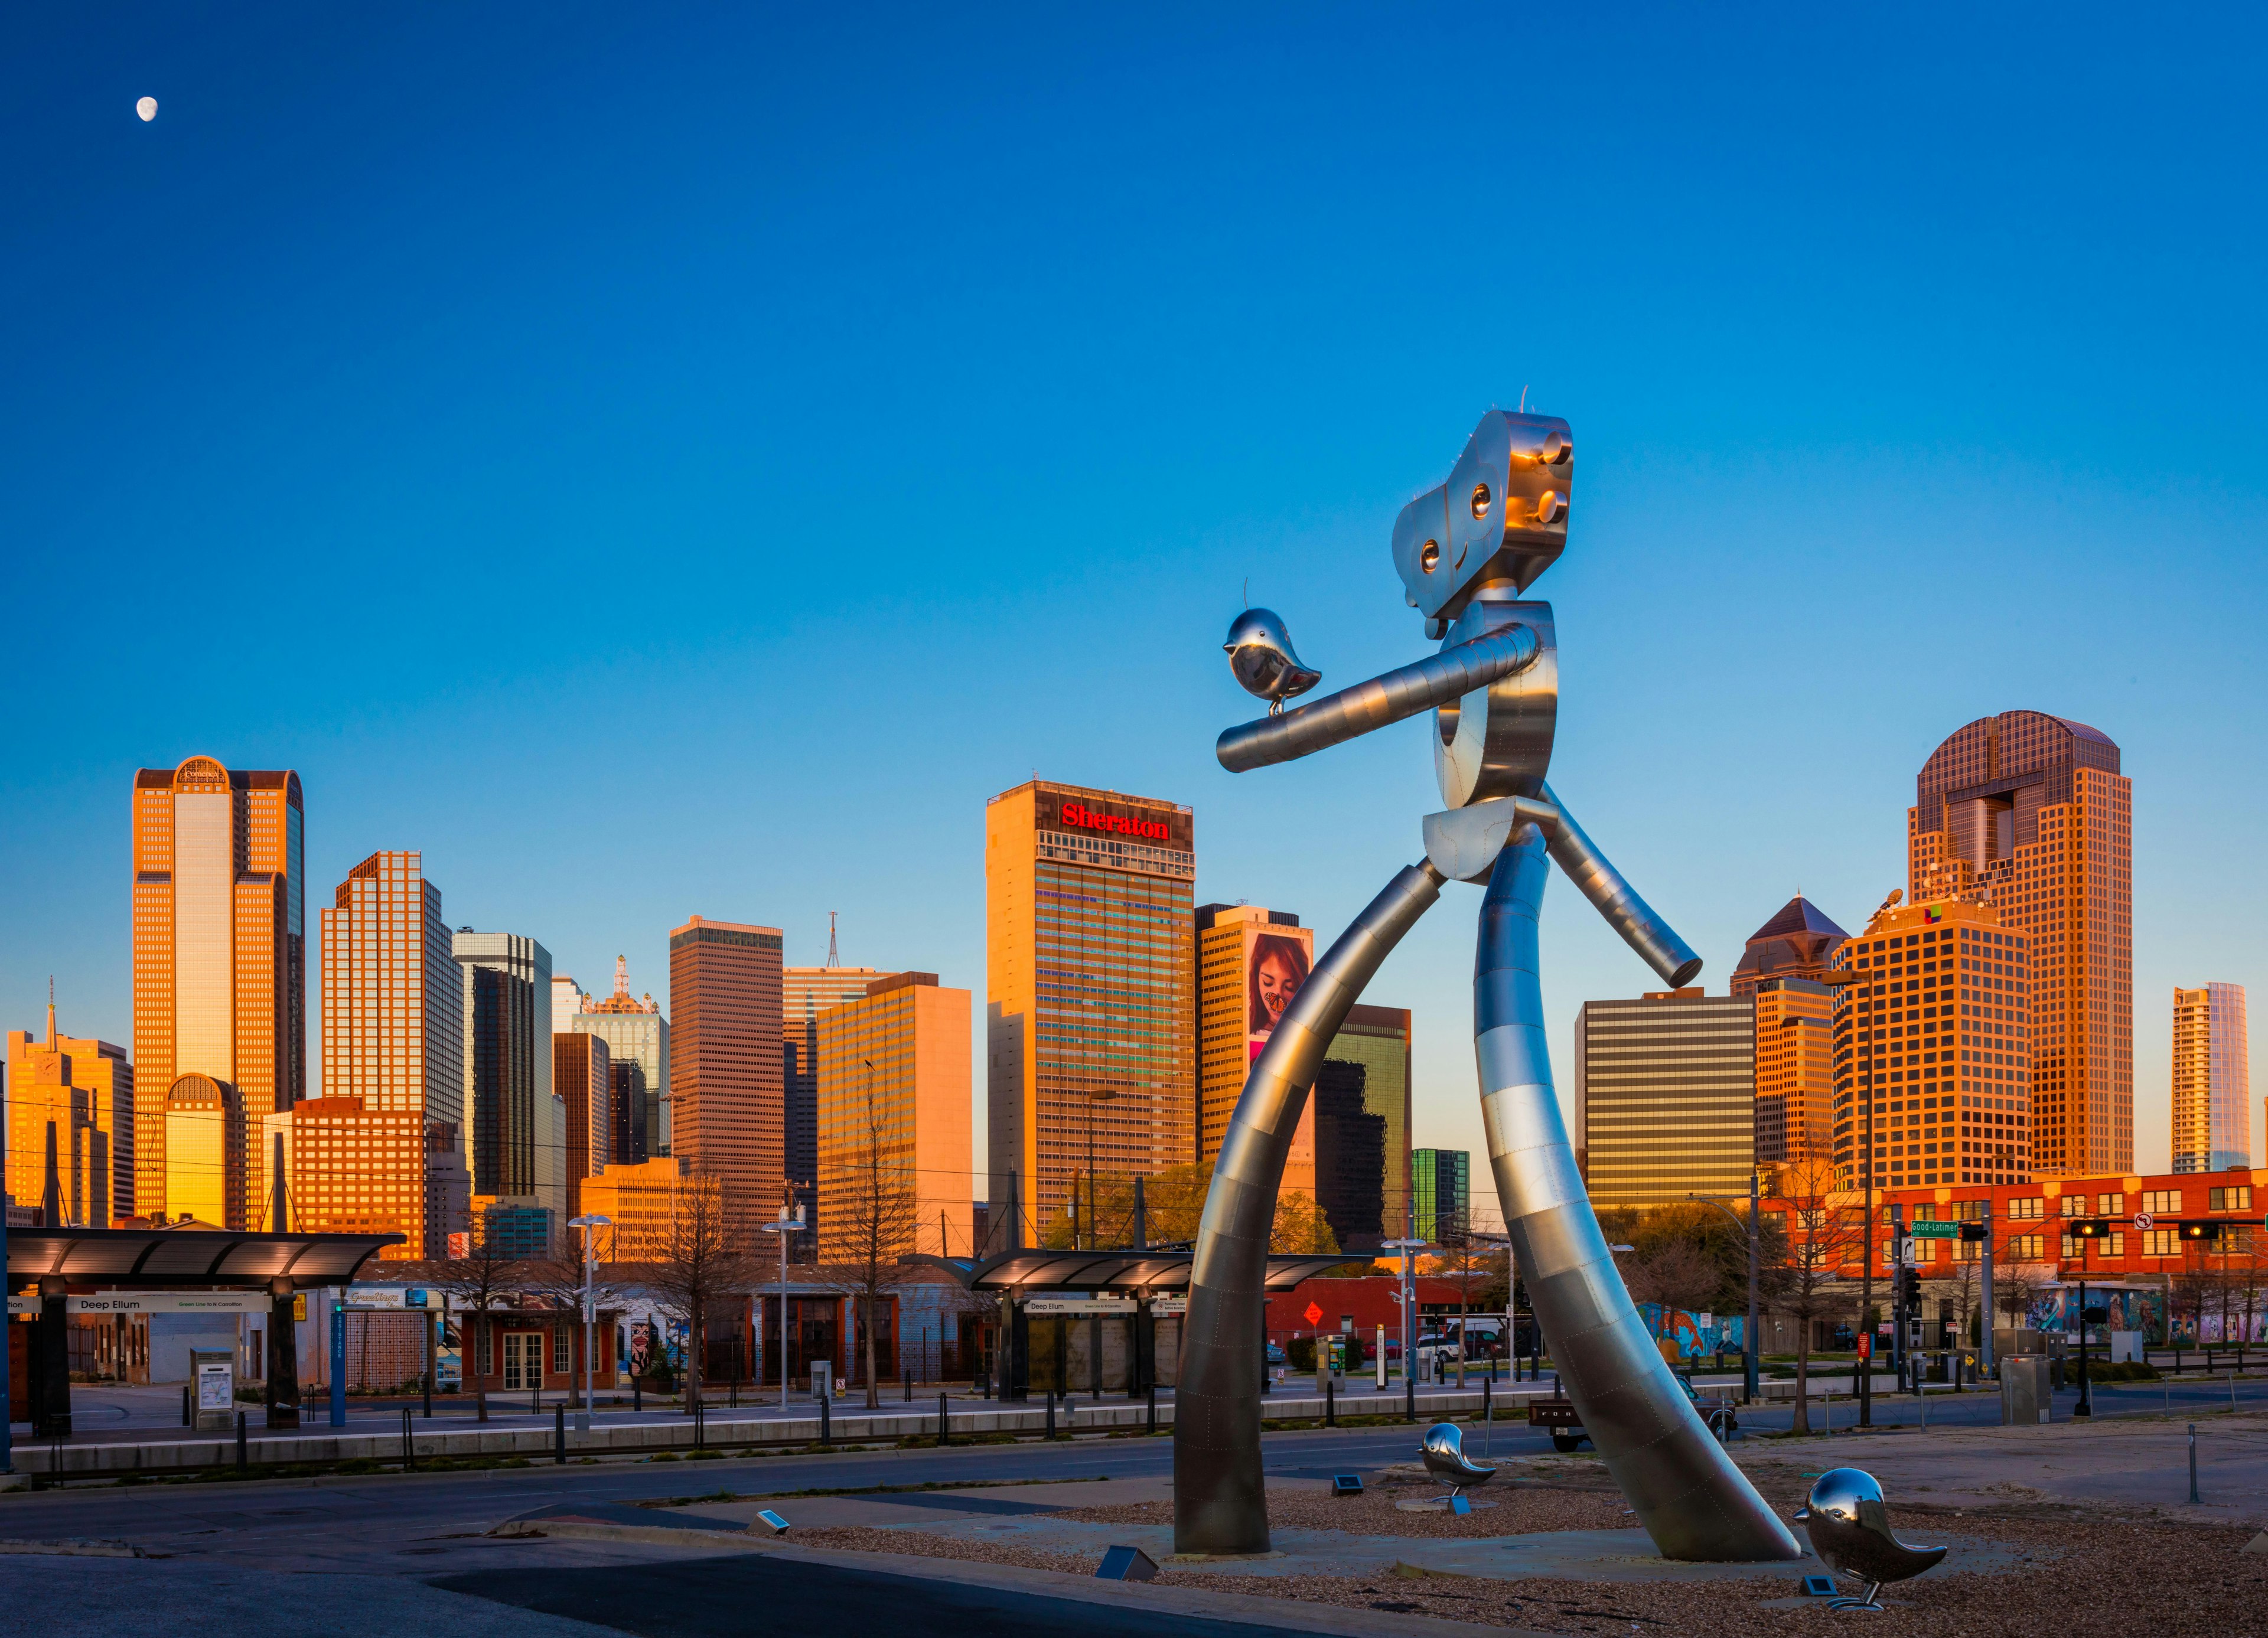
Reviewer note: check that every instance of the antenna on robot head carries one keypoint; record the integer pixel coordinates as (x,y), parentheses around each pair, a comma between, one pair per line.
(832,961)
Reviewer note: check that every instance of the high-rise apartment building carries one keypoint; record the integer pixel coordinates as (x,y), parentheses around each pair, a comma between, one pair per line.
(1442,1181)
(1089,988)
(637,1041)
(1798,942)
(1665,1096)
(1361,1104)
(220,963)
(70,1128)
(515,1124)
(2029,813)
(1251,961)
(2213,1080)
(1795,1071)
(394,1034)
(895,1116)
(1934,1050)
(355,1169)
(583,1076)
(727,1118)
(805,993)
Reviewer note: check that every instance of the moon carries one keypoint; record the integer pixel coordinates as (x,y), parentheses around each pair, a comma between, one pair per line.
(147,109)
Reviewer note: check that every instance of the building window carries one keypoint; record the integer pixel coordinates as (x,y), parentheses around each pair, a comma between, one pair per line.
(2161,1243)
(487,1349)
(562,1349)
(2162,1202)
(2025,1210)
(2230,1199)
(2026,1248)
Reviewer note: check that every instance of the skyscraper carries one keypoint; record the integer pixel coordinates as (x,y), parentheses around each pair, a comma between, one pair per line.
(2213,1080)
(1443,1182)
(637,1041)
(583,1074)
(1362,1127)
(515,1127)
(1795,1071)
(393,1035)
(220,964)
(1798,942)
(1090,972)
(1251,962)
(727,1118)
(1665,1096)
(893,1092)
(1932,1051)
(2029,813)
(70,1128)
(805,993)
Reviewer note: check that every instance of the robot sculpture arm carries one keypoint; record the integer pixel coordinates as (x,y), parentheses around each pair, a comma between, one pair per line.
(1466,551)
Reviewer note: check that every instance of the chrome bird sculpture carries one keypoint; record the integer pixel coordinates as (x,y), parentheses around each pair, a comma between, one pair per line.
(1259,650)
(1850,1530)
(1443,1451)
(1466,552)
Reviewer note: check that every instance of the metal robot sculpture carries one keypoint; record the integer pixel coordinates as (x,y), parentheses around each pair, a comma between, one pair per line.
(1466,553)
(1850,1530)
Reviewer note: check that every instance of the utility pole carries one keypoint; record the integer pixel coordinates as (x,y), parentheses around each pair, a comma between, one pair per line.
(590,1226)
(1984,1291)
(784,1226)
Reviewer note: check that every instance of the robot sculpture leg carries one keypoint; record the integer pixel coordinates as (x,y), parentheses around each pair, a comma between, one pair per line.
(1219,1502)
(1691,1499)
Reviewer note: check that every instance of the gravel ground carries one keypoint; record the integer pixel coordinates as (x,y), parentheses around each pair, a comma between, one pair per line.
(2083,1573)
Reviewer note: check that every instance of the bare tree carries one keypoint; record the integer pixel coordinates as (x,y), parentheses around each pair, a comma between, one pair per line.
(487,1279)
(700,1262)
(1821,1239)
(1676,1275)
(873,1218)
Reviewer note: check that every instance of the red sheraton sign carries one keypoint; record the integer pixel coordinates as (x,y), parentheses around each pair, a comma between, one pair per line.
(1077,816)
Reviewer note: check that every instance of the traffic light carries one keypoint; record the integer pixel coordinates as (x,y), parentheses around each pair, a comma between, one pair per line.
(1909,1289)
(2199,1229)
(2090,1229)
(1975,1231)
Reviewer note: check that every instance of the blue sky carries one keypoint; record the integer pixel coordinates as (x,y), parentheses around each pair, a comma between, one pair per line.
(684,461)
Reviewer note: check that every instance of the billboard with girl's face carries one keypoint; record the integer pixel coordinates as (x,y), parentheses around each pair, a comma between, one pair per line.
(1276,965)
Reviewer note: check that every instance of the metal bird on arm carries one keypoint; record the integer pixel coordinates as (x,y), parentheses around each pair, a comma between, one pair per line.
(1466,552)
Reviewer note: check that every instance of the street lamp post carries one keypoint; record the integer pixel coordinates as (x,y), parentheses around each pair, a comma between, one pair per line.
(1748,1356)
(590,1226)
(784,1226)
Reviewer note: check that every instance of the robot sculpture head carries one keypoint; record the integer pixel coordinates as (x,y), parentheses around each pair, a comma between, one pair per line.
(1500,520)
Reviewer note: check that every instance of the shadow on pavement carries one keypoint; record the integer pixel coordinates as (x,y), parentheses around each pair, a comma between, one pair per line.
(701,1596)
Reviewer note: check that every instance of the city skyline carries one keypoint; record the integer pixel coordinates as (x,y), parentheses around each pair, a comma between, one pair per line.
(351,372)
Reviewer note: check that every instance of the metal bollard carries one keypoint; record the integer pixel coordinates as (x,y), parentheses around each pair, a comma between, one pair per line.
(1151,1425)
(1330,1403)
(2193,1489)
(825,1424)
(944,1426)
(558,1433)
(1409,1398)
(243,1456)
(409,1446)
(1051,1412)
(188,1416)
(637,1395)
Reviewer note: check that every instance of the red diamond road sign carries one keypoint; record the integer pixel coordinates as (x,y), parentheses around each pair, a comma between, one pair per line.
(1315,1313)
